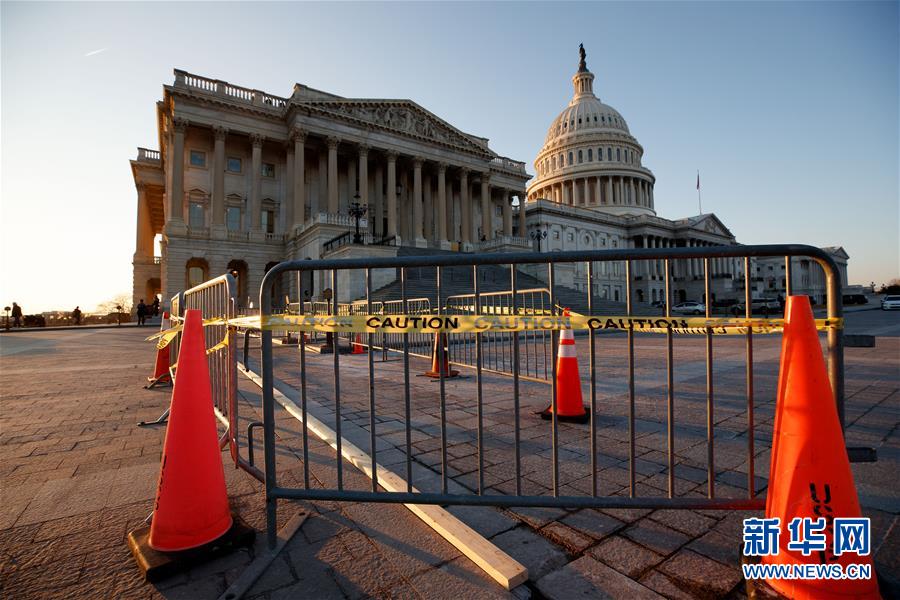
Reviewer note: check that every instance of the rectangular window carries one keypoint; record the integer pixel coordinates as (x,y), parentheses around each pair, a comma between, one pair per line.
(268,170)
(196,215)
(233,218)
(233,165)
(268,221)
(198,158)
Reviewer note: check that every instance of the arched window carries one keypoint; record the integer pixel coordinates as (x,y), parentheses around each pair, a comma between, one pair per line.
(196,272)
(554,163)
(618,155)
(609,154)
(570,158)
(590,154)
(238,270)
(580,157)
(600,154)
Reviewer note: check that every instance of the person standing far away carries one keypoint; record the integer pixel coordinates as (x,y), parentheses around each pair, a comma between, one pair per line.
(141,312)
(76,315)
(155,306)
(17,315)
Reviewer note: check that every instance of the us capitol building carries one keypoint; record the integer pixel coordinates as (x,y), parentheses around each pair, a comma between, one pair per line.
(245,179)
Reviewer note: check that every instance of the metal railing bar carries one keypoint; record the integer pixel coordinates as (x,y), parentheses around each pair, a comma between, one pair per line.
(692,503)
(479,398)
(670,384)
(592,361)
(442,375)
(710,468)
(337,382)
(551,280)
(406,395)
(631,441)
(303,389)
(748,311)
(516,366)
(373,445)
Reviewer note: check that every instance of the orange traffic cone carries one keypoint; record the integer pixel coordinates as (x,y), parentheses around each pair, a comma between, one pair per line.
(161,370)
(436,368)
(191,506)
(358,346)
(810,472)
(569,402)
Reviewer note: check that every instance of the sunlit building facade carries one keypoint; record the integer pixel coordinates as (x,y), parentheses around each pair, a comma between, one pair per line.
(244,179)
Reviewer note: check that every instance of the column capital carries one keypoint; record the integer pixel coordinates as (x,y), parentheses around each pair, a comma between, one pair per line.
(256,140)
(485,178)
(391,155)
(220,132)
(332,142)
(463,172)
(442,167)
(417,162)
(363,149)
(180,124)
(298,134)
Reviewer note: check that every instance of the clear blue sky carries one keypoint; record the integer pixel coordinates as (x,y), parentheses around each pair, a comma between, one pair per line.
(789,110)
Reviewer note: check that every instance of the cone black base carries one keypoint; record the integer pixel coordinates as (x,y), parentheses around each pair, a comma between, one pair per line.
(547,415)
(447,374)
(156,565)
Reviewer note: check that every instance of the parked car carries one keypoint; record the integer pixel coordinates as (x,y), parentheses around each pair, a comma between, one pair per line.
(890,303)
(659,304)
(855,299)
(689,308)
(765,306)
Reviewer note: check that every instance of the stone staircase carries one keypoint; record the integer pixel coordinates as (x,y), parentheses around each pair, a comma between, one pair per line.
(422,283)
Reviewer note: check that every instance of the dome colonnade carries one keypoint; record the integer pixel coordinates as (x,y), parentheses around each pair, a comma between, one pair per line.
(590,159)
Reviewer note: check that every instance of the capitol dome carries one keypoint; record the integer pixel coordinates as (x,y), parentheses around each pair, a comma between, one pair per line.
(590,158)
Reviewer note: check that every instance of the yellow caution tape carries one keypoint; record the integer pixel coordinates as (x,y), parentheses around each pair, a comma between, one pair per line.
(502,323)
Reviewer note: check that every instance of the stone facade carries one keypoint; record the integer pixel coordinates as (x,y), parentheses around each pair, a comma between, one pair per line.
(245,179)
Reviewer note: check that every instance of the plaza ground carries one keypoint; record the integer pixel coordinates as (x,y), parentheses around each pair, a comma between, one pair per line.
(77,473)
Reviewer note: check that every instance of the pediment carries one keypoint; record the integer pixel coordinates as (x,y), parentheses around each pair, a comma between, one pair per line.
(400,116)
(711,224)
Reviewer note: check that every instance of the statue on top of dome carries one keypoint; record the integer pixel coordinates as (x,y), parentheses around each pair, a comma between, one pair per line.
(582,65)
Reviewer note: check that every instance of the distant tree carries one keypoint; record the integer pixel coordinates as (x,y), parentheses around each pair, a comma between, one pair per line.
(891,287)
(110,306)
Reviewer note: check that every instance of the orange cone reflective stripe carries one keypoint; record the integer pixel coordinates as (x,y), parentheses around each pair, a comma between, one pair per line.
(191,506)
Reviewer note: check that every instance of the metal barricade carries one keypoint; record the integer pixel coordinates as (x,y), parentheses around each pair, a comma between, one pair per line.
(535,351)
(661,262)
(216,301)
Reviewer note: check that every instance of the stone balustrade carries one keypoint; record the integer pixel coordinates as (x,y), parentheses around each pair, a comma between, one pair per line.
(223,88)
(147,155)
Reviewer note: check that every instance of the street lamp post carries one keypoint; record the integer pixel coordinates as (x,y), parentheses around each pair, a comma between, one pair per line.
(7,309)
(538,235)
(357,211)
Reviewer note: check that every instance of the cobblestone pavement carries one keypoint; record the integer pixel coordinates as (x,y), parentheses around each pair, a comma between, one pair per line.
(76,475)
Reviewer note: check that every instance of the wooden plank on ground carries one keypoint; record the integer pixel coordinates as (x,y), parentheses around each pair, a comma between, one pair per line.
(492,560)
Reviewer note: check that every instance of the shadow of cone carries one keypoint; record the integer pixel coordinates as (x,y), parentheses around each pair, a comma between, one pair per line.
(810,473)
(570,405)
(191,506)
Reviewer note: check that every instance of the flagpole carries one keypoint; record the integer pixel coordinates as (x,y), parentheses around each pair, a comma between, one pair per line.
(699,202)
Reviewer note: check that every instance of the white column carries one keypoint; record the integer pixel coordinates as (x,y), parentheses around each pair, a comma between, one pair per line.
(218,195)
(417,219)
(442,205)
(486,229)
(256,178)
(464,205)
(576,193)
(363,175)
(428,201)
(299,137)
(176,200)
(507,213)
(565,193)
(522,214)
(391,194)
(143,245)
(378,215)
(333,201)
